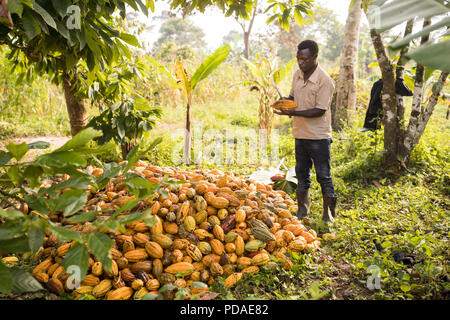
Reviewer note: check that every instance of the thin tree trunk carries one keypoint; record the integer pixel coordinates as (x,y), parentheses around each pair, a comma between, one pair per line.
(399,74)
(75,107)
(248,31)
(187,134)
(346,86)
(416,108)
(419,120)
(389,101)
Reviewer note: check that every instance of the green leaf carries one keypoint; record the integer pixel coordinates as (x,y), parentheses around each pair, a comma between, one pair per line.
(100,245)
(17,150)
(394,12)
(61,159)
(11,214)
(4,157)
(281,73)
(65,234)
(38,145)
(130,39)
(16,245)
(35,239)
(44,14)
(10,229)
(78,255)
(71,201)
(30,25)
(23,281)
(80,139)
(210,63)
(61,6)
(6,282)
(84,217)
(433,56)
(15,6)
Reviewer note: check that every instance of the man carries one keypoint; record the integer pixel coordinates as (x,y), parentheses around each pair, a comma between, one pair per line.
(312,90)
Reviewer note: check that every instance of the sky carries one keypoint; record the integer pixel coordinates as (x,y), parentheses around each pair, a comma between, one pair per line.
(216,26)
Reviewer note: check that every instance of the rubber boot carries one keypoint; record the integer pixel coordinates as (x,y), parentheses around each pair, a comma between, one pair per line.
(329,208)
(303,203)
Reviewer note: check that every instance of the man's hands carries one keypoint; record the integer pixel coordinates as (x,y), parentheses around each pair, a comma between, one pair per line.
(284,112)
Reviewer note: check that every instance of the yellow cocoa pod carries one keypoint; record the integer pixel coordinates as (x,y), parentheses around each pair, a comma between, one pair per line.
(115,254)
(200,216)
(170,227)
(230,247)
(102,288)
(233,201)
(202,234)
(63,249)
(240,215)
(58,272)
(204,247)
(140,239)
(52,269)
(152,284)
(210,258)
(180,267)
(216,269)
(200,203)
(260,259)
(251,269)
(82,290)
(218,232)
(137,284)
(154,249)
(163,240)
(138,295)
(90,280)
(243,262)
(157,228)
(217,246)
(231,280)
(123,293)
(183,211)
(297,244)
(189,223)
(219,202)
(240,245)
(41,277)
(43,266)
(97,268)
(136,255)
(180,244)
(194,252)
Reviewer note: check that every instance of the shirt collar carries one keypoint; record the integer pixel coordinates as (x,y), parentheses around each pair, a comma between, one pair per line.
(314,77)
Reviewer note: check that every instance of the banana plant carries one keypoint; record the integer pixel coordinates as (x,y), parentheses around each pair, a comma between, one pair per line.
(263,74)
(187,85)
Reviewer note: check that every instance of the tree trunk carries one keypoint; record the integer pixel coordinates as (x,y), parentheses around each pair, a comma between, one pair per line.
(187,134)
(389,102)
(346,86)
(246,45)
(75,107)
(419,119)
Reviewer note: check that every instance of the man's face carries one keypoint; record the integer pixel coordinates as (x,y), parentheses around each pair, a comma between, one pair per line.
(306,61)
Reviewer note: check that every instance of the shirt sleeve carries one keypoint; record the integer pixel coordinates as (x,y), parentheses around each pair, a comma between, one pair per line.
(325,94)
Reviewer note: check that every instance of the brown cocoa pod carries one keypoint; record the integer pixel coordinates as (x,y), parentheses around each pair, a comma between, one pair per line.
(141,266)
(54,285)
(228,223)
(157,267)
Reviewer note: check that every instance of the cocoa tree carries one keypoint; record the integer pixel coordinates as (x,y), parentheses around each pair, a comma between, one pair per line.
(399,138)
(346,84)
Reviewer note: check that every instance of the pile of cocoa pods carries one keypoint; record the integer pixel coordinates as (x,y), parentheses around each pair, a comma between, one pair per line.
(217,224)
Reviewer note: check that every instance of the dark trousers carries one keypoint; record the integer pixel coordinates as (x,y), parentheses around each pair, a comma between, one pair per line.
(308,152)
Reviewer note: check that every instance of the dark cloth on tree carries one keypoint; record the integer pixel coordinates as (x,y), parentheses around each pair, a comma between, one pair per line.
(375,110)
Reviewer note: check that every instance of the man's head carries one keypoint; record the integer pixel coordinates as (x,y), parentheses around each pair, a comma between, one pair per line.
(307,52)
